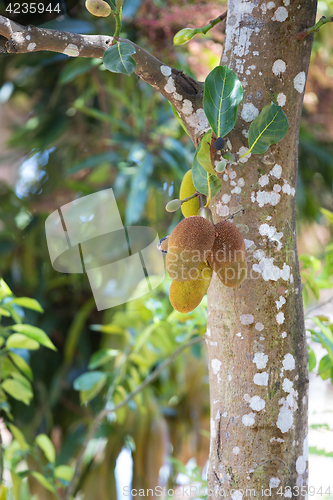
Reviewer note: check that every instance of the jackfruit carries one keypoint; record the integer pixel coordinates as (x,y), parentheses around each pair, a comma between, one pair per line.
(188,245)
(186,296)
(187,188)
(228,258)
(98,8)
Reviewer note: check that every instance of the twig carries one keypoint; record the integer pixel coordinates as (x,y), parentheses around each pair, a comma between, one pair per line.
(100,417)
(212,23)
(323,20)
(231,216)
(317,307)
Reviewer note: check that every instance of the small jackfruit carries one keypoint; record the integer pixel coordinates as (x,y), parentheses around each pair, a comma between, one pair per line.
(98,8)
(187,188)
(228,258)
(188,246)
(186,296)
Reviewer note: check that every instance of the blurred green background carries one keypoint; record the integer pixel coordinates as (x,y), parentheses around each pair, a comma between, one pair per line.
(70,128)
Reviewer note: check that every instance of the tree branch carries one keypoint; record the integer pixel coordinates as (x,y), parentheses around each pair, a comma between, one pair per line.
(323,20)
(100,417)
(182,91)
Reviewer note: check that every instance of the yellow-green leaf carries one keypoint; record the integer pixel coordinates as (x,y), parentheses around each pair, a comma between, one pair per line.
(46,445)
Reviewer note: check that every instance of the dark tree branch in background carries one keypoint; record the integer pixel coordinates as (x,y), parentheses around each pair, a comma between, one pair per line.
(100,417)
(323,20)
(184,93)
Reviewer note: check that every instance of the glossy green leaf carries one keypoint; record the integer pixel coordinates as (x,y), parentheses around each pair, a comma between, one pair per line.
(325,337)
(267,129)
(202,154)
(36,334)
(18,435)
(18,389)
(46,445)
(325,366)
(222,94)
(205,182)
(22,365)
(86,396)
(4,312)
(43,481)
(89,384)
(19,341)
(101,357)
(5,291)
(28,303)
(64,472)
(118,58)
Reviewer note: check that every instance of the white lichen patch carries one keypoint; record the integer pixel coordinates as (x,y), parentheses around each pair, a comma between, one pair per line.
(300,465)
(280,318)
(222,210)
(257,404)
(274,482)
(225,198)
(261,378)
(288,362)
(249,112)
(165,70)
(279,67)
(270,271)
(287,189)
(236,190)
(248,243)
(170,86)
(281,99)
(216,365)
(270,5)
(243,150)
(299,82)
(267,198)
(260,359)
(276,171)
(271,233)
(259,326)
(280,14)
(187,108)
(212,428)
(232,174)
(283,335)
(246,319)
(198,120)
(237,494)
(235,450)
(241,182)
(263,180)
(285,419)
(32,47)
(276,440)
(71,50)
(279,303)
(276,188)
(248,419)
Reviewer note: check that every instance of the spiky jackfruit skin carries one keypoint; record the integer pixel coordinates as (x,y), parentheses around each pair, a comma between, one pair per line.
(187,189)
(186,296)
(188,246)
(228,257)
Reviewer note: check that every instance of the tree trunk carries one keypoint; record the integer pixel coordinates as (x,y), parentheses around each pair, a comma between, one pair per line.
(258,362)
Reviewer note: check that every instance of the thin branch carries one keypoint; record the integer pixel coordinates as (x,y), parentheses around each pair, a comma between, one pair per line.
(323,20)
(172,83)
(317,306)
(213,23)
(100,417)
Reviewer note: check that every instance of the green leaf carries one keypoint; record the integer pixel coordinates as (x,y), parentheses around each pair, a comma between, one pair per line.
(46,445)
(312,359)
(101,357)
(28,303)
(89,384)
(202,154)
(118,58)
(205,182)
(110,329)
(64,472)
(4,312)
(222,94)
(18,435)
(267,129)
(36,334)
(325,366)
(18,389)
(19,341)
(5,291)
(313,450)
(328,214)
(43,481)
(22,365)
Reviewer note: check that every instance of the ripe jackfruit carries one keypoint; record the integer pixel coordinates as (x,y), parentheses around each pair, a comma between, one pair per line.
(186,296)
(188,246)
(227,257)
(187,188)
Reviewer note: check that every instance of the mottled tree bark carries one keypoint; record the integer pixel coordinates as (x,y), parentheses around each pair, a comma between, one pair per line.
(255,334)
